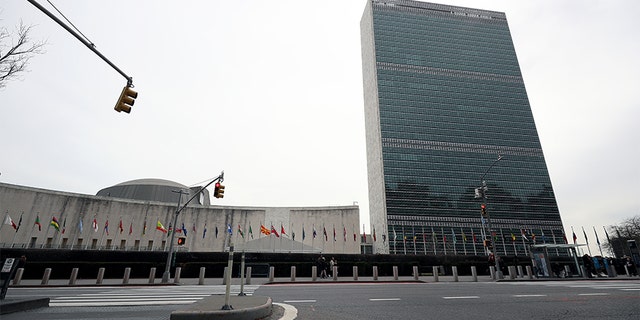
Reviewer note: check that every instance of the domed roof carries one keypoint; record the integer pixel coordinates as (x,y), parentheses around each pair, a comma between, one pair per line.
(153,190)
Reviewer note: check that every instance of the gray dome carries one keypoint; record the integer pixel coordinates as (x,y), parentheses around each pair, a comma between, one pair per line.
(154,190)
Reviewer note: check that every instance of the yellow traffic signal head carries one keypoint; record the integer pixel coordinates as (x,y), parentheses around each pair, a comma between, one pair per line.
(126,100)
(218,192)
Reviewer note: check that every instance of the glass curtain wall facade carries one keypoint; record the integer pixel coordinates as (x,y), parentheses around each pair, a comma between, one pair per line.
(444,97)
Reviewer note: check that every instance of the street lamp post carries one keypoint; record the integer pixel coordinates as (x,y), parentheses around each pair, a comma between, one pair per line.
(167,270)
(483,192)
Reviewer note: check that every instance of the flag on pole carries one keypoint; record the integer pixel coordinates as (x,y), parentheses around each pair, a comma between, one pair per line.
(374,234)
(275,232)
(364,234)
(597,239)
(304,235)
(160,227)
(575,238)
(282,232)
(229,229)
(131,228)
(585,236)
(250,232)
(473,236)
(64,225)
(264,230)
(94,225)
(344,233)
(204,231)
(120,226)
(144,226)
(315,233)
(38,223)
(453,235)
(524,236)
(240,231)
(106,227)
(9,221)
(324,233)
(513,237)
(334,233)
(80,225)
(216,232)
(19,222)
(54,223)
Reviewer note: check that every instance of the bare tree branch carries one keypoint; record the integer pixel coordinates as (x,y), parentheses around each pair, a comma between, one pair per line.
(16,51)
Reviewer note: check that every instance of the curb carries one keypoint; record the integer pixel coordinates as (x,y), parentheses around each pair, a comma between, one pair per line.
(203,309)
(11,306)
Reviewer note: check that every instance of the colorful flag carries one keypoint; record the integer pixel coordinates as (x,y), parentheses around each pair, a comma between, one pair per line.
(374,234)
(240,231)
(334,234)
(344,234)
(144,226)
(250,232)
(275,232)
(473,236)
(304,235)
(204,231)
(184,230)
(131,228)
(160,227)
(523,233)
(94,225)
(54,223)
(585,236)
(453,235)
(315,233)
(38,223)
(364,234)
(19,222)
(64,225)
(106,227)
(229,229)
(575,238)
(324,233)
(120,227)
(282,232)
(513,237)
(264,230)
(216,232)
(80,225)
(9,221)
(464,236)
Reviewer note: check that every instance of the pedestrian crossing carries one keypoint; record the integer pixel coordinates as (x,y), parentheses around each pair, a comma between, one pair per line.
(146,296)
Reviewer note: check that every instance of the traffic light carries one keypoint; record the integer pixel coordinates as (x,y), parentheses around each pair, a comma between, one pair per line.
(126,100)
(218,192)
(483,210)
(182,241)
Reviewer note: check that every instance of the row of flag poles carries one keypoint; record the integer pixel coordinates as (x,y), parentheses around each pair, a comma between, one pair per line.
(412,236)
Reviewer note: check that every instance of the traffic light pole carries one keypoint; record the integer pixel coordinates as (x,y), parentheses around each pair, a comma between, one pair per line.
(484,199)
(167,270)
(89,45)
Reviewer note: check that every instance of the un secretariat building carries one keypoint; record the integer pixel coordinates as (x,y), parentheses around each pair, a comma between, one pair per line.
(444,97)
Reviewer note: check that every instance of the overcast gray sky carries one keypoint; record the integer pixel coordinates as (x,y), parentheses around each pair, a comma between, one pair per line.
(271,93)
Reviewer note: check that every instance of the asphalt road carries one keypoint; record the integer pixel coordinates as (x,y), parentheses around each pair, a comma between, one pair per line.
(608,299)
(484,300)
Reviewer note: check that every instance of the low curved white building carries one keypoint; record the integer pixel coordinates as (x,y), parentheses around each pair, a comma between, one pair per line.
(130,216)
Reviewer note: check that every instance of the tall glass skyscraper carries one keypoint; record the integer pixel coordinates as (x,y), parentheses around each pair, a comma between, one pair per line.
(444,98)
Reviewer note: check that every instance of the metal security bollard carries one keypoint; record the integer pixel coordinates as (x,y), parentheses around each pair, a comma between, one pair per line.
(512,272)
(100,276)
(415,273)
(492,272)
(201,276)
(395,273)
(454,270)
(45,277)
(176,278)
(248,276)
(127,273)
(529,272)
(334,273)
(18,276)
(314,273)
(435,274)
(293,273)
(474,273)
(355,273)
(272,272)
(74,276)
(375,273)
(152,275)
(224,275)
(520,273)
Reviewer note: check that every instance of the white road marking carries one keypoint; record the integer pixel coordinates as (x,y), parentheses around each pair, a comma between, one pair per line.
(462,297)
(594,294)
(300,301)
(290,312)
(385,299)
(529,295)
